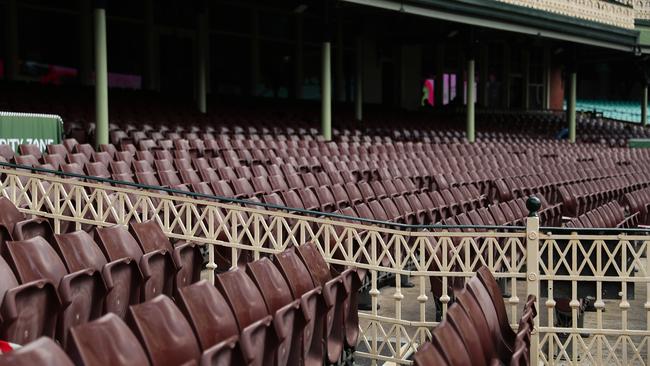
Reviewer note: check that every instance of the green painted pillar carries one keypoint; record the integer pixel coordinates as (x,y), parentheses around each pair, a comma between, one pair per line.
(11,61)
(255,52)
(571,107)
(340,70)
(151,71)
(358,99)
(86,38)
(526,72)
(203,46)
(644,106)
(471,90)
(326,92)
(547,77)
(299,62)
(101,78)
(506,75)
(483,76)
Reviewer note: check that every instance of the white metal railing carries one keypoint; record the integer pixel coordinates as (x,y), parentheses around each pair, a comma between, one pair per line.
(526,260)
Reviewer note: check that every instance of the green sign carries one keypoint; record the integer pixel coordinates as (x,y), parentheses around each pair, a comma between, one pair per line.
(638,143)
(30,128)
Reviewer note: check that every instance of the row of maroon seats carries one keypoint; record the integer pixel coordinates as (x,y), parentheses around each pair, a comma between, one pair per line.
(476,330)
(610,215)
(288,310)
(580,198)
(637,203)
(81,278)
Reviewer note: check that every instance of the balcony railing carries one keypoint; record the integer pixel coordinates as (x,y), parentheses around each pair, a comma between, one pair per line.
(618,13)
(603,271)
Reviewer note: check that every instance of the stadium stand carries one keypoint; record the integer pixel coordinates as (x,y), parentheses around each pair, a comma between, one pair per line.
(350,182)
(285,308)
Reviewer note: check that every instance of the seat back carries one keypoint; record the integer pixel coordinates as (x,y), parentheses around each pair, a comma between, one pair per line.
(244,297)
(158,321)
(151,236)
(106,341)
(43,352)
(116,243)
(272,285)
(208,312)
(34,259)
(79,251)
(294,272)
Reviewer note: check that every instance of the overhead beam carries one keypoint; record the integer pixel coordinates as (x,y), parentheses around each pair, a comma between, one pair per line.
(455,16)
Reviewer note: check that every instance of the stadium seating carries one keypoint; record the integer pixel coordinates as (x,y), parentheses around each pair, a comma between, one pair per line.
(476,328)
(289,308)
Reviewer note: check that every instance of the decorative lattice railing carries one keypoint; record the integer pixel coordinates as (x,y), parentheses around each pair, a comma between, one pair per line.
(410,270)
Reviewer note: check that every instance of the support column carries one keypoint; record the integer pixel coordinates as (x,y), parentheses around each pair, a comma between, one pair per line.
(340,71)
(86,46)
(526,72)
(571,107)
(471,89)
(483,76)
(299,59)
(101,75)
(255,52)
(326,92)
(358,100)
(644,105)
(440,70)
(506,75)
(203,48)
(11,51)
(151,71)
(547,77)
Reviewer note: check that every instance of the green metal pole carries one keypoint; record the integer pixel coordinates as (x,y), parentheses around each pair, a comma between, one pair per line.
(471,89)
(202,55)
(572,107)
(255,52)
(101,78)
(340,71)
(299,67)
(644,106)
(326,97)
(11,56)
(358,100)
(526,66)
(86,46)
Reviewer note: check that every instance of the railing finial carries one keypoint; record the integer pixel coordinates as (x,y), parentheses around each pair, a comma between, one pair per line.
(533,204)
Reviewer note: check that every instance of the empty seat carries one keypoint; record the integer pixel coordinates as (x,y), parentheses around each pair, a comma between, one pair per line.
(248,307)
(164,332)
(121,277)
(82,292)
(29,310)
(214,323)
(41,352)
(288,320)
(310,296)
(156,266)
(106,341)
(186,255)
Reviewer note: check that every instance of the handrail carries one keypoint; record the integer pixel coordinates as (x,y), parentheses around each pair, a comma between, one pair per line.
(362,220)
(261,204)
